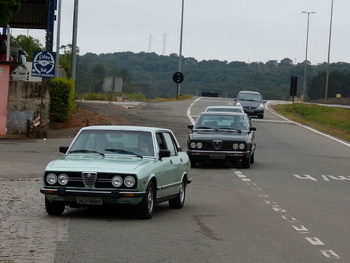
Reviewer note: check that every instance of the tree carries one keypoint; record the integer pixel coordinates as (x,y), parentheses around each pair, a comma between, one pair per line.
(29,44)
(7,9)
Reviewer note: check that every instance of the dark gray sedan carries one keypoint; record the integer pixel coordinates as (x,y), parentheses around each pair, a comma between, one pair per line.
(222,137)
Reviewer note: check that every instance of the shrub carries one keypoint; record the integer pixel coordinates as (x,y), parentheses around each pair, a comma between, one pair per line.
(62,99)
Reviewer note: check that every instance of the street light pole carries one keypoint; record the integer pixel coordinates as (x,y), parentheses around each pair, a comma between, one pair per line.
(180,55)
(329,55)
(307,44)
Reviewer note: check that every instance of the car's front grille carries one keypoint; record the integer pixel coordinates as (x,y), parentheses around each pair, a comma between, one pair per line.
(89,179)
(217,146)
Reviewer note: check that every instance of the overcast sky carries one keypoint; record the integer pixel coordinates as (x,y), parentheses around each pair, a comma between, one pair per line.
(231,30)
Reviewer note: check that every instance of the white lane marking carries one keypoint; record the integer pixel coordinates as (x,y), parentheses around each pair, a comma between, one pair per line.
(329,254)
(189,111)
(309,128)
(314,241)
(290,219)
(301,229)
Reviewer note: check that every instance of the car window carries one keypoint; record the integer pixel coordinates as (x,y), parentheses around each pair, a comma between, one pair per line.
(109,142)
(170,144)
(237,122)
(249,96)
(224,109)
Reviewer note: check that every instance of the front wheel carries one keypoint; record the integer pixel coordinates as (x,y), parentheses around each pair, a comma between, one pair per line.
(145,209)
(52,208)
(246,162)
(179,201)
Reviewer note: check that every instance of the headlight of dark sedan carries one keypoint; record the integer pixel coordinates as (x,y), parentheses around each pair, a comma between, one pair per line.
(195,145)
(237,146)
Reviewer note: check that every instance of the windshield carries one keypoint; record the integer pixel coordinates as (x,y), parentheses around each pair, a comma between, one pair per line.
(229,122)
(249,97)
(137,143)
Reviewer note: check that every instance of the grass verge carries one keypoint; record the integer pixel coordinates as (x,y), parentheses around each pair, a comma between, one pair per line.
(331,120)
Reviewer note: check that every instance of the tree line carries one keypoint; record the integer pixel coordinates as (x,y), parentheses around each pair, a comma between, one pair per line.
(151,74)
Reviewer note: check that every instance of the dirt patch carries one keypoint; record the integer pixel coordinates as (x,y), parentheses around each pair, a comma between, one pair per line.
(86,115)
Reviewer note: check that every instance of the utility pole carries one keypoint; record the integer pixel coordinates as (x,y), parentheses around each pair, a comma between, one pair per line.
(307,44)
(329,55)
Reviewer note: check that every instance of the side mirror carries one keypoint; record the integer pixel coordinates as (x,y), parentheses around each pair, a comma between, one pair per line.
(63,149)
(190,126)
(164,153)
(252,128)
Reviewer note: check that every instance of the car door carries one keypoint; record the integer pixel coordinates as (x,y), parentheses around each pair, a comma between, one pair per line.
(176,163)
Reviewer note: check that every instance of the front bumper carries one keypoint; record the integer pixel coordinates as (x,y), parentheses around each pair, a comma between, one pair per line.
(107,196)
(254,112)
(217,156)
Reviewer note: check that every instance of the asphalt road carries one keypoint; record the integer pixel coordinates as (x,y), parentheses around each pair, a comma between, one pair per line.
(292,205)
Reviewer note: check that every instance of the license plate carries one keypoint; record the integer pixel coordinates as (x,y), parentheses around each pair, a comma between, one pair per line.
(249,111)
(89,200)
(220,157)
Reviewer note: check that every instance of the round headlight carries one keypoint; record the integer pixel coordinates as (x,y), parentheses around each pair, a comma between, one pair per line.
(241,146)
(117,181)
(235,146)
(51,178)
(199,145)
(129,181)
(63,179)
(193,145)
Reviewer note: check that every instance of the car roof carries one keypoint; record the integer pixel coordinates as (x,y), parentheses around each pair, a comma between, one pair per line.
(224,107)
(248,91)
(122,128)
(223,113)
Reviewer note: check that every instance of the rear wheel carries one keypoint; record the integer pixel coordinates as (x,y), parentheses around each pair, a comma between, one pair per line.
(52,208)
(179,201)
(145,209)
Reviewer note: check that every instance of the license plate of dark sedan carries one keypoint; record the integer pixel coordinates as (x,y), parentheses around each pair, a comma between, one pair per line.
(220,157)
(89,200)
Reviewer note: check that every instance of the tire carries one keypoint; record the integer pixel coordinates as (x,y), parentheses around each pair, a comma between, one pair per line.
(246,163)
(53,208)
(179,201)
(145,209)
(252,158)
(193,163)
(261,116)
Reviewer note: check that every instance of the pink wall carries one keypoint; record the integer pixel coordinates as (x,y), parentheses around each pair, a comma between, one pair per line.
(4,89)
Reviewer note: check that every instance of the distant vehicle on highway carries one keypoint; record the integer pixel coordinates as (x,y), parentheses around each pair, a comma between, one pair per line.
(225,109)
(252,103)
(110,165)
(222,137)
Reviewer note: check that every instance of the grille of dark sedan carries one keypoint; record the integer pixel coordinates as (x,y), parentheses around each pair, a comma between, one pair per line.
(102,180)
(218,146)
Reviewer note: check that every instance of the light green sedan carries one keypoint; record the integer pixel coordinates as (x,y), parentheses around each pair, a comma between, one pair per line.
(133,165)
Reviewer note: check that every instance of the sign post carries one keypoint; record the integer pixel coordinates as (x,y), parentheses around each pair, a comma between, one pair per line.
(44,64)
(178,78)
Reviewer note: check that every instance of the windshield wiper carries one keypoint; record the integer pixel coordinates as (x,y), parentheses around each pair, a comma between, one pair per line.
(124,152)
(86,151)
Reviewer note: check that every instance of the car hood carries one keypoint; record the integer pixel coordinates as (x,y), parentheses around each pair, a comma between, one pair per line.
(98,163)
(217,135)
(247,103)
